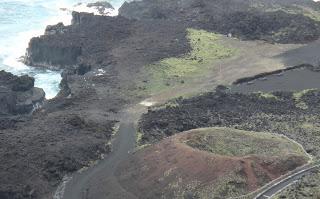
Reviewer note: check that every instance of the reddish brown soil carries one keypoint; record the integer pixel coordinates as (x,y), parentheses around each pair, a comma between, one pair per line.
(151,172)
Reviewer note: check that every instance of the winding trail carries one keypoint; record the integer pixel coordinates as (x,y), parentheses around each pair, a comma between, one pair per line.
(99,181)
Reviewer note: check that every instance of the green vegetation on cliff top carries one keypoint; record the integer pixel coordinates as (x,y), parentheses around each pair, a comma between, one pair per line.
(176,70)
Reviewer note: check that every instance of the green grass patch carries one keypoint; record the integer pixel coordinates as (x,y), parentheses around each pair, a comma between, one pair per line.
(176,70)
(138,142)
(297,96)
(232,142)
(267,95)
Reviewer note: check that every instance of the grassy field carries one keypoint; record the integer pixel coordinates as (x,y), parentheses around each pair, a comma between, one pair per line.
(224,141)
(177,70)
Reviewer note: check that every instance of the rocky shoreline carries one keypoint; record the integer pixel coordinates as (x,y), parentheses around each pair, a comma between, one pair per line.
(102,59)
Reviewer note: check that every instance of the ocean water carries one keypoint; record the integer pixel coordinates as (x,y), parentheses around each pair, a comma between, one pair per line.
(20,20)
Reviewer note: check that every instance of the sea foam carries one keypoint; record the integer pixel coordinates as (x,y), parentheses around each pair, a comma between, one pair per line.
(21,20)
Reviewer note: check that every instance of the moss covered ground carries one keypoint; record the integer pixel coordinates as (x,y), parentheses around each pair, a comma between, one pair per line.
(177,70)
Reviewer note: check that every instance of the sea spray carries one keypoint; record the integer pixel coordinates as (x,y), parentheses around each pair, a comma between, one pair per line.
(20,20)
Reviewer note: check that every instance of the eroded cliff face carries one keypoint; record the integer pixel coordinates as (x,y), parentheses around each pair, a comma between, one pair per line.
(51,55)
(84,43)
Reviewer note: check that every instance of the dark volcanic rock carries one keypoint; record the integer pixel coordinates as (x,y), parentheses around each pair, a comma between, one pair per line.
(250,20)
(18,95)
(52,55)
(23,83)
(38,153)
(55,29)
(279,112)
(15,83)
(94,42)
(101,6)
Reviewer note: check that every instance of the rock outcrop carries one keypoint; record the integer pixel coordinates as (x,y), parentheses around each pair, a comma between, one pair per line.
(18,94)
(96,42)
(52,55)
(55,29)
(102,6)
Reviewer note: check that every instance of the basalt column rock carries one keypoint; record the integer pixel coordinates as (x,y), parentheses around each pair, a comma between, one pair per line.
(51,55)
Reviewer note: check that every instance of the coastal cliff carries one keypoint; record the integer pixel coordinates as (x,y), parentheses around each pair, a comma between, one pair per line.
(84,43)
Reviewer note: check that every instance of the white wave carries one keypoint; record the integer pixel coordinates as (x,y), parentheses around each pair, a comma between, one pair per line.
(15,45)
(82,7)
(16,48)
(48,81)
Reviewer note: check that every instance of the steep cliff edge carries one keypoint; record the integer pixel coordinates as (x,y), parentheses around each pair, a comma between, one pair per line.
(81,44)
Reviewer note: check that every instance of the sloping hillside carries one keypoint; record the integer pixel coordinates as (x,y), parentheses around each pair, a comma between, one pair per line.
(209,163)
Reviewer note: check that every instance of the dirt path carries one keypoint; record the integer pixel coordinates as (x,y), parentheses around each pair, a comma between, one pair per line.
(99,181)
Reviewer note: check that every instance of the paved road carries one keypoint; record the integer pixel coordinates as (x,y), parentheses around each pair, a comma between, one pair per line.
(96,182)
(276,188)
